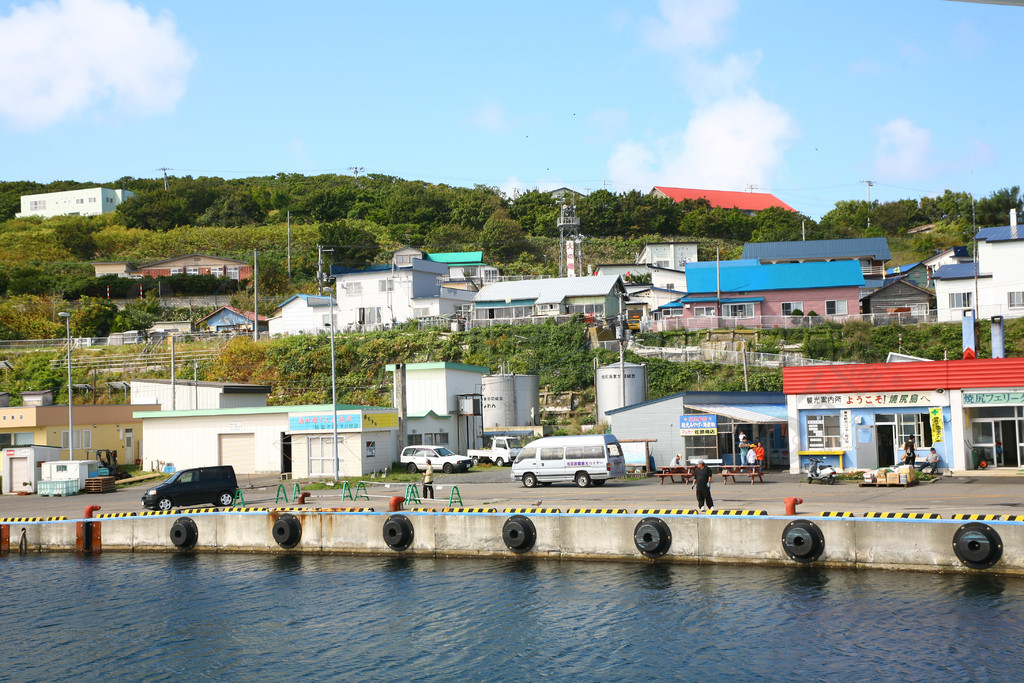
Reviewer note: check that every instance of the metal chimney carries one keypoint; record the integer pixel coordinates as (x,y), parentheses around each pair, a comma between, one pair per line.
(1014,232)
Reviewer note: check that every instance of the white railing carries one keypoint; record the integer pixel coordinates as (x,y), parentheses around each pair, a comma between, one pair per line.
(702,354)
(670,323)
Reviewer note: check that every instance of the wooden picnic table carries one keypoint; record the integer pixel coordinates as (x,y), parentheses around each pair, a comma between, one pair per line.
(732,471)
(684,472)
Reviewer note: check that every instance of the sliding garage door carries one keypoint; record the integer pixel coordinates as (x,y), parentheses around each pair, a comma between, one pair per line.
(239,451)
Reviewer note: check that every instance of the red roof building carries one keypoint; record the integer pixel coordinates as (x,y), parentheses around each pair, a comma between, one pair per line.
(748,202)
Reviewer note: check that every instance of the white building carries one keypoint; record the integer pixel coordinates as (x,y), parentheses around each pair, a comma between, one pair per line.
(999,285)
(674,255)
(290,440)
(304,314)
(91,202)
(380,296)
(432,392)
(186,394)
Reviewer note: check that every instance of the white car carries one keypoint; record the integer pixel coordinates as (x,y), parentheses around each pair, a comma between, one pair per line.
(441,459)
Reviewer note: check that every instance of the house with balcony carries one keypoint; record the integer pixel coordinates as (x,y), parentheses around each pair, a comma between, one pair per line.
(93,201)
(871,252)
(377,297)
(596,297)
(748,293)
(463,266)
(993,284)
(198,264)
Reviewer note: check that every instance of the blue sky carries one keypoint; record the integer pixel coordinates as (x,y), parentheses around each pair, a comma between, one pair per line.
(805,99)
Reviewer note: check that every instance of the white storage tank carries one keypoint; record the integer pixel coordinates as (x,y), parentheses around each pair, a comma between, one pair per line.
(510,400)
(609,387)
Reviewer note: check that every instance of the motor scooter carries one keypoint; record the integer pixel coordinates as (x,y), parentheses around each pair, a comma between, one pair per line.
(819,471)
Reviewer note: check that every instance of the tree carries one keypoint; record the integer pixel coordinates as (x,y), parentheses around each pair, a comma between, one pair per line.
(994,210)
(451,237)
(139,314)
(776,224)
(354,245)
(75,235)
(502,237)
(93,317)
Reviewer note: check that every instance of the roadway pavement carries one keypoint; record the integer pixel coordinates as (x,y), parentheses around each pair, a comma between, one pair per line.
(991,493)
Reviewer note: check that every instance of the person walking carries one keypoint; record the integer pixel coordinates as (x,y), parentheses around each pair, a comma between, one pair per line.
(744,446)
(759,454)
(702,482)
(428,481)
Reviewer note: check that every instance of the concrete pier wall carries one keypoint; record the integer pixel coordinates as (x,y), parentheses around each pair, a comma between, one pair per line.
(910,544)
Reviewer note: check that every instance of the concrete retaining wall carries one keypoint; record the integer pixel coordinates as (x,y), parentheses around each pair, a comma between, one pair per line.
(922,545)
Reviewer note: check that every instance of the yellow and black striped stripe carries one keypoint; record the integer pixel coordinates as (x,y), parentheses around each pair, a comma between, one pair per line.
(740,513)
(115,514)
(987,518)
(535,510)
(902,515)
(649,511)
(596,511)
(344,509)
(1013,518)
(836,514)
(423,509)
(469,510)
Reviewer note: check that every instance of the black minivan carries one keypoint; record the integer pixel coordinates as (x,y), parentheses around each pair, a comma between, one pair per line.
(213,485)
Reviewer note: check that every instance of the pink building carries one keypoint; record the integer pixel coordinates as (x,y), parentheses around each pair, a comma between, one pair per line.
(747,293)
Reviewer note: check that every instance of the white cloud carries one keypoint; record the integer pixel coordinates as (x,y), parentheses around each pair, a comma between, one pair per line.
(62,58)
(726,145)
(490,116)
(688,24)
(903,151)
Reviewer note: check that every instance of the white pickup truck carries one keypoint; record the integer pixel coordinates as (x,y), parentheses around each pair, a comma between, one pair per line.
(414,458)
(503,451)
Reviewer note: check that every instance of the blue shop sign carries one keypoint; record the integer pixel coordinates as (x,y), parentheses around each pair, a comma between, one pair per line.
(319,423)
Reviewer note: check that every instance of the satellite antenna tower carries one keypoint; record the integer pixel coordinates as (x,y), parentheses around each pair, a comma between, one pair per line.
(568,238)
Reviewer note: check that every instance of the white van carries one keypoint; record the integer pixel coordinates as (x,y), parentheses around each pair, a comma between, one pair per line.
(583,459)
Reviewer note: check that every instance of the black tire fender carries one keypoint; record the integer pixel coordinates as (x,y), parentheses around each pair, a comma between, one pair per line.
(184,533)
(519,534)
(803,541)
(652,537)
(287,531)
(977,545)
(398,532)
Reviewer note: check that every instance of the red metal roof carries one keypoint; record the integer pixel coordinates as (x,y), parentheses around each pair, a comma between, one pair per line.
(744,201)
(923,376)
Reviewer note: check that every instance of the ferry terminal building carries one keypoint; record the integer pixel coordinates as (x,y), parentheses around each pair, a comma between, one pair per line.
(859,416)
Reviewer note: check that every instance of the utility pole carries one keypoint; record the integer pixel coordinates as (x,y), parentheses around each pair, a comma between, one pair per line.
(870,184)
(167,183)
(289,246)
(320,277)
(568,239)
(255,299)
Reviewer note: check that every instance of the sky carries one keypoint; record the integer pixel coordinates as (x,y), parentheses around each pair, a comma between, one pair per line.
(814,102)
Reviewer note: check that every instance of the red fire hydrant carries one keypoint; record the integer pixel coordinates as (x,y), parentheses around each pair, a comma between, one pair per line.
(791,504)
(396,503)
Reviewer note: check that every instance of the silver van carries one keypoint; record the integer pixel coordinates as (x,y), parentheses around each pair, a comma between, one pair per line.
(583,459)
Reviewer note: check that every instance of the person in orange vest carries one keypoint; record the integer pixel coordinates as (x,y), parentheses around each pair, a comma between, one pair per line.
(759,454)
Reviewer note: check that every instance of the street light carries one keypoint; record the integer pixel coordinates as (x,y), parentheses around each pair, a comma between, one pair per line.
(334,394)
(71,421)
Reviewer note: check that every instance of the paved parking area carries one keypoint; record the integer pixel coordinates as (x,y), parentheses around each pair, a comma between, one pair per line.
(493,488)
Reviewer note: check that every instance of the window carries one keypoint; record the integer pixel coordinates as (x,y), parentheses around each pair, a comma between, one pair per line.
(371,449)
(234,272)
(37,205)
(837,307)
(16,439)
(387,285)
(81,200)
(704,312)
(421,312)
(353,288)
(83,438)
(369,315)
(738,310)
(916,425)
(585,309)
(1015,299)
(175,271)
(662,263)
(192,270)
(463,310)
(959,299)
(92,200)
(823,432)
(217,271)
(551,453)
(789,306)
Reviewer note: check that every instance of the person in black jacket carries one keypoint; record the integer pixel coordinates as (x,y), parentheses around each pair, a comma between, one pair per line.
(702,482)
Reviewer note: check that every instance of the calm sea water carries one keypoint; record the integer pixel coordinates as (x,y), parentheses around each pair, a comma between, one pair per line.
(176,617)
